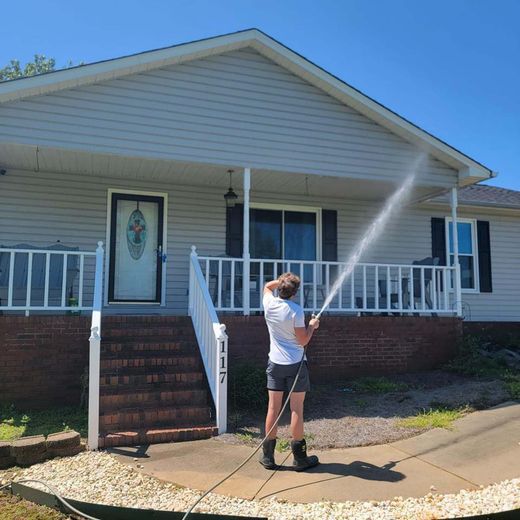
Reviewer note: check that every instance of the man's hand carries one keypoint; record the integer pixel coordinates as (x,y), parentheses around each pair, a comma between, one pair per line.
(314,323)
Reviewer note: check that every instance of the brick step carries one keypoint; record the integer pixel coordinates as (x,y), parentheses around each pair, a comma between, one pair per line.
(151,346)
(146,375)
(149,396)
(155,436)
(123,365)
(131,332)
(153,416)
(146,319)
(153,387)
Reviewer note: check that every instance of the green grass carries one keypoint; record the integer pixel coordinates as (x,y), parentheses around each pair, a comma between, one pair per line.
(14,508)
(15,423)
(432,418)
(377,385)
(245,437)
(285,444)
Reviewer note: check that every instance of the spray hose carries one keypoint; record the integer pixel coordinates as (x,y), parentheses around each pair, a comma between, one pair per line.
(242,464)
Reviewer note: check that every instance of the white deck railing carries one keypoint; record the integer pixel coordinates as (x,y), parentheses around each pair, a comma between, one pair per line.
(45,280)
(211,337)
(372,288)
(95,353)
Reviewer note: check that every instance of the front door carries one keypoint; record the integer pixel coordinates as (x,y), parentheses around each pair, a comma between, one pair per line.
(136,243)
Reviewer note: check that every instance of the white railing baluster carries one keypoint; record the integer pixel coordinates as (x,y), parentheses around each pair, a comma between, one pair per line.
(423,290)
(352,289)
(232,285)
(64,280)
(12,260)
(388,289)
(411,291)
(302,285)
(29,284)
(211,336)
(46,282)
(376,287)
(400,288)
(219,285)
(446,289)
(434,288)
(81,274)
(364,286)
(314,287)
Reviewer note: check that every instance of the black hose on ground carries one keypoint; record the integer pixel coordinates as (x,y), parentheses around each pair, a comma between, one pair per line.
(242,464)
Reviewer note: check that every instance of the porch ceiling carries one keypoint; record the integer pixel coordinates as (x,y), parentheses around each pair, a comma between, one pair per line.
(74,162)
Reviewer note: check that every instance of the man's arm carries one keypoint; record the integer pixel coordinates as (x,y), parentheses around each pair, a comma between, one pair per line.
(269,287)
(304,334)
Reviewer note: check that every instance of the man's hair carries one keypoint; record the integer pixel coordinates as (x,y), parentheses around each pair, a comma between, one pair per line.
(288,285)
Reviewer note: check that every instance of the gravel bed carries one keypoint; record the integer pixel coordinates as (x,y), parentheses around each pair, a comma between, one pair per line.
(98,477)
(338,417)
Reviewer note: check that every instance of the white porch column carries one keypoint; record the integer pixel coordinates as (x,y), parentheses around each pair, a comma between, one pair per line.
(455,232)
(245,254)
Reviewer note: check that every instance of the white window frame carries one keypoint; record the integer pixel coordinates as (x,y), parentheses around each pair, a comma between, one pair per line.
(302,209)
(474,241)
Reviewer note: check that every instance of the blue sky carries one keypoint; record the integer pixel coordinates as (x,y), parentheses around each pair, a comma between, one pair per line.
(450,66)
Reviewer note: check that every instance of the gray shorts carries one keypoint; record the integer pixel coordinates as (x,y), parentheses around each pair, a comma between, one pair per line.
(280,378)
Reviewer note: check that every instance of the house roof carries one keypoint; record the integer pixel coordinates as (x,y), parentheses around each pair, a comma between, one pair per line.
(470,170)
(482,195)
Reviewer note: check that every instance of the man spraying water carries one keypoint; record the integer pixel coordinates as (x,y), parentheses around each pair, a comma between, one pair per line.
(288,337)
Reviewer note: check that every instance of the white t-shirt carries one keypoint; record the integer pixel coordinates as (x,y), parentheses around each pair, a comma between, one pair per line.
(281,317)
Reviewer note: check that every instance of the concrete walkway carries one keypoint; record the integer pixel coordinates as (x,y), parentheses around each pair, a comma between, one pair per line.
(483,447)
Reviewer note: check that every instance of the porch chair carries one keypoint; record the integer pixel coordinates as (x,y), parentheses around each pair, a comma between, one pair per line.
(428,276)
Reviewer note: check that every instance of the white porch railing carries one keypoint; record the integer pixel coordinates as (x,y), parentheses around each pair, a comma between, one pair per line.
(45,280)
(95,353)
(211,337)
(372,288)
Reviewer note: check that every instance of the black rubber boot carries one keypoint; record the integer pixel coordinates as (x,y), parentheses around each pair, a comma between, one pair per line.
(267,458)
(301,460)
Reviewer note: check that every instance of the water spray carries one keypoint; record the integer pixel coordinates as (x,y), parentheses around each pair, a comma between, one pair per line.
(372,233)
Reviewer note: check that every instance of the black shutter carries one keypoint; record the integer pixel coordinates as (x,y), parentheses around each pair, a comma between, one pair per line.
(439,240)
(235,230)
(329,235)
(484,256)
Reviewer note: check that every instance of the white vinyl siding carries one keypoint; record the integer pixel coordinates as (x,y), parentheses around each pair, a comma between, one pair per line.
(41,208)
(237,108)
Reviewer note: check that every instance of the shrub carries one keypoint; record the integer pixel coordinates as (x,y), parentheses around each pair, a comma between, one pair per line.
(472,361)
(247,388)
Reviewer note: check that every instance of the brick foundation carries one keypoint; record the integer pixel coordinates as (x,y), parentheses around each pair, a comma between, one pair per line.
(356,346)
(42,359)
(502,333)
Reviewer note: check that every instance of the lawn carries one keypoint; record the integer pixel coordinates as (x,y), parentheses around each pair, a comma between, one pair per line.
(16,423)
(14,508)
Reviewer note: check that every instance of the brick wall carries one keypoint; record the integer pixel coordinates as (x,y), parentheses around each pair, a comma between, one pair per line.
(503,333)
(42,359)
(345,346)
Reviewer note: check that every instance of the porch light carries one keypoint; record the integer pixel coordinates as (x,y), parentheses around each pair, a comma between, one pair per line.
(230,196)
